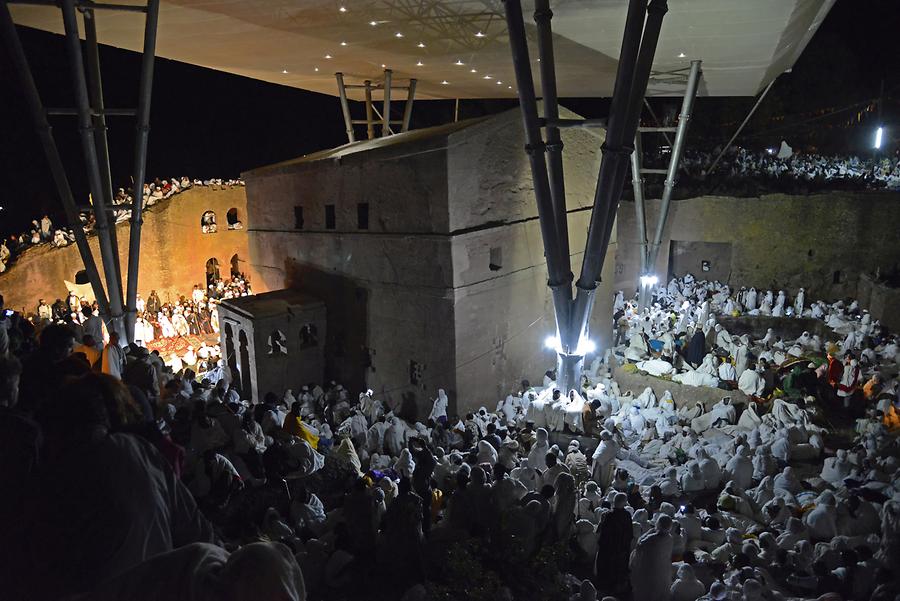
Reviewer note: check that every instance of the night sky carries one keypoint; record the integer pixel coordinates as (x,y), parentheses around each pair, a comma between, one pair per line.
(211,124)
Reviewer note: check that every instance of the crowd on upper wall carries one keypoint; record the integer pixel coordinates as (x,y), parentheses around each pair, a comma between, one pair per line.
(44,231)
(780,170)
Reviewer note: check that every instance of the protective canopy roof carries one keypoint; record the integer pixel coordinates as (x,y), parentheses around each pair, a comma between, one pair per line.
(459,48)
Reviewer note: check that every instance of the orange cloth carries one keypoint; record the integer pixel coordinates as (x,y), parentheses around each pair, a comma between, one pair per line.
(870,389)
(293,425)
(892,419)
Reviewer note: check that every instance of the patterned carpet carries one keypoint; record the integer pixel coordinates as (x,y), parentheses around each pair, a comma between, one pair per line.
(167,346)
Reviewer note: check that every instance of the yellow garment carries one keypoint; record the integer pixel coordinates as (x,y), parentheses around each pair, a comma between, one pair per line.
(293,425)
(437,503)
(892,419)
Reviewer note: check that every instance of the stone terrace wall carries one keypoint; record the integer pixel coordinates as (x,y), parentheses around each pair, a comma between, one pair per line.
(174,251)
(822,242)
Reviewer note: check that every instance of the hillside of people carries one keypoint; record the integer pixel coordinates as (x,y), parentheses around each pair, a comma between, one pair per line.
(319,492)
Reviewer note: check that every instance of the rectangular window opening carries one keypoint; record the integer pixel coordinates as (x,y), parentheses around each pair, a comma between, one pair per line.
(329,217)
(415,372)
(362,215)
(298,218)
(496,261)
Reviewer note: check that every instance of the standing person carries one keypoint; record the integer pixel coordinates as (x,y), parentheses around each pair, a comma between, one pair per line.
(44,311)
(421,478)
(92,325)
(402,539)
(651,563)
(46,228)
(613,546)
(153,304)
(113,357)
(849,383)
(142,373)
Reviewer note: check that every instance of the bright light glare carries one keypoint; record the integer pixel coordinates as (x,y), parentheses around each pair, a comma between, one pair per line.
(552,342)
(878,134)
(649,280)
(585,347)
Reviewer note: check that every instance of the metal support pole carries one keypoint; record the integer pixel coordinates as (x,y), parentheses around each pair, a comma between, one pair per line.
(370,127)
(386,115)
(542,17)
(456,110)
(107,251)
(635,62)
(345,107)
(95,90)
(739,129)
(45,133)
(407,110)
(559,277)
(142,131)
(687,107)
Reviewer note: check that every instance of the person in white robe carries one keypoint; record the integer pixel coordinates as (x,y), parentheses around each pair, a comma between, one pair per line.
(751,382)
(739,468)
(822,520)
(439,407)
(799,301)
(113,357)
(538,453)
(750,303)
(727,373)
(603,460)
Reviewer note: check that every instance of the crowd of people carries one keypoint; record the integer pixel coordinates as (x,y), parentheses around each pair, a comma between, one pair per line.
(188,315)
(781,169)
(43,231)
(151,482)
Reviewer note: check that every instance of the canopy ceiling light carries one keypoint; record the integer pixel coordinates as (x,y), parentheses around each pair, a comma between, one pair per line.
(744,44)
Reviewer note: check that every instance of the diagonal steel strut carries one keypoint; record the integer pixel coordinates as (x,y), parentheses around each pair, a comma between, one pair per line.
(142,134)
(642,28)
(650,248)
(51,152)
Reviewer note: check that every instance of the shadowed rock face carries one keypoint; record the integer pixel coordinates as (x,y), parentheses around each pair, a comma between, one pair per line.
(681,393)
(786,327)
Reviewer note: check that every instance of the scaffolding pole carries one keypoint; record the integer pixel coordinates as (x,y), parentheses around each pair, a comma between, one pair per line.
(345,107)
(51,152)
(640,212)
(739,129)
(370,126)
(407,110)
(86,129)
(687,107)
(142,131)
(386,115)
